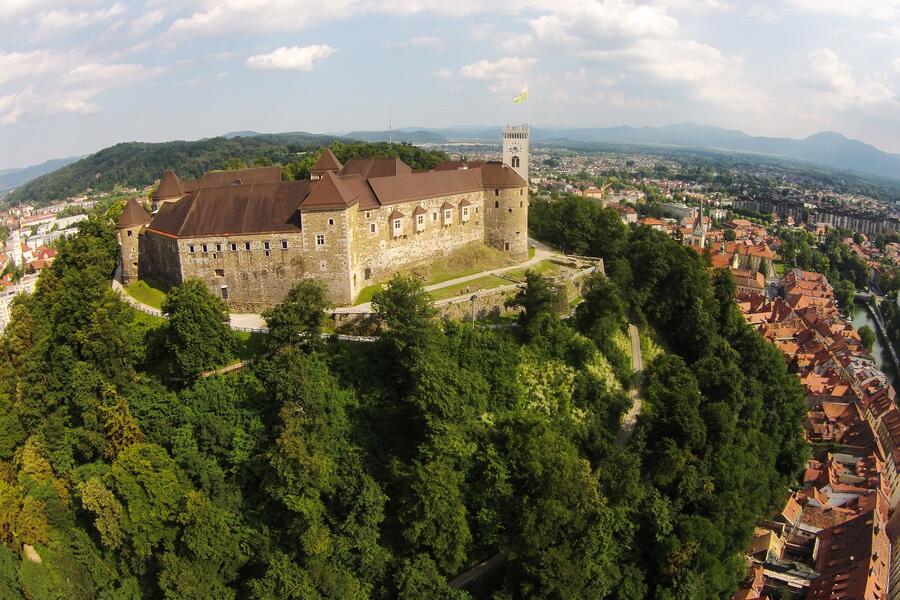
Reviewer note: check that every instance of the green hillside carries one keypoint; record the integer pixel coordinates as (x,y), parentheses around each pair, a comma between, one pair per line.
(135,164)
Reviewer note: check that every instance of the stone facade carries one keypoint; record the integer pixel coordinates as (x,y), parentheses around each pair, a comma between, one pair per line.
(128,245)
(250,237)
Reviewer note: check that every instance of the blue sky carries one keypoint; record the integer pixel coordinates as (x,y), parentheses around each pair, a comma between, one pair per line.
(79,75)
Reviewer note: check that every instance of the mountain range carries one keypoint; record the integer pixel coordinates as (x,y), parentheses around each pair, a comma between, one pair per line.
(826,148)
(13,178)
(138,164)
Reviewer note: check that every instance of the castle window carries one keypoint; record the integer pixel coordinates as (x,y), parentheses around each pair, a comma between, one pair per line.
(224,290)
(331,221)
(372,228)
(434,216)
(506,246)
(496,204)
(420,220)
(521,204)
(233,247)
(266,245)
(129,233)
(496,191)
(205,249)
(448,214)
(510,210)
(515,162)
(218,247)
(191,248)
(368,273)
(320,239)
(220,272)
(284,245)
(396,224)
(521,192)
(368,214)
(247,246)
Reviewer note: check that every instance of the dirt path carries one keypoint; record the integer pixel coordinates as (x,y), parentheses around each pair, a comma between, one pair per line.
(637,403)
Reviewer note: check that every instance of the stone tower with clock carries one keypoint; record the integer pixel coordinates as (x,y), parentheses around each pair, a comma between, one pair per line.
(515,149)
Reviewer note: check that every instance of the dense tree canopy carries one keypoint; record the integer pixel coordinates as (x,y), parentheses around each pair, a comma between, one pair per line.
(385,469)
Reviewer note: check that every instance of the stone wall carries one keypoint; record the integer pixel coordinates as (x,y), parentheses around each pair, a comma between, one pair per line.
(128,249)
(329,262)
(248,279)
(378,255)
(158,258)
(506,221)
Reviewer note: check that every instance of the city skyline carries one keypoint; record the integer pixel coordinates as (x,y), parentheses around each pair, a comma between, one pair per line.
(80,75)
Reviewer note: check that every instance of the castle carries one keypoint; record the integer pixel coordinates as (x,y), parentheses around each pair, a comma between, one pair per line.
(251,236)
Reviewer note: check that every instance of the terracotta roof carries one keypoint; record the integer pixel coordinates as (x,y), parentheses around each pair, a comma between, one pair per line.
(465,202)
(375,167)
(327,161)
(133,214)
(419,211)
(498,175)
(169,186)
(234,210)
(419,186)
(446,205)
(396,214)
(330,193)
(455,165)
(240,176)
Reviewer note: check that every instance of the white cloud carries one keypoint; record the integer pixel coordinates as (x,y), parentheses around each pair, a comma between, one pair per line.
(835,79)
(293,58)
(109,75)
(443,74)
(503,68)
(65,19)
(607,23)
(517,44)
(21,64)
(697,7)
(896,64)
(419,41)
(12,106)
(876,9)
(147,21)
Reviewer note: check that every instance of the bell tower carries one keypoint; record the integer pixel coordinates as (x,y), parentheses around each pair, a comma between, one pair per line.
(515,149)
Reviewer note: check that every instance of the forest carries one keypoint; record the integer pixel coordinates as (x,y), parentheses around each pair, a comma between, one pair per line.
(333,470)
(137,165)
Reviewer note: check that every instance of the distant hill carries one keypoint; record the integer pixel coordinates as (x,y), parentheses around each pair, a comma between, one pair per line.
(827,148)
(417,136)
(13,178)
(136,164)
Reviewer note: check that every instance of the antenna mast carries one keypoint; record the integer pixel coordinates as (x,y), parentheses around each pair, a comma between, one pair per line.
(390,129)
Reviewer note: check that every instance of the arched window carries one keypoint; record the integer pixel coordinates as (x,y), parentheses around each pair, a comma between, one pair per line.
(515,162)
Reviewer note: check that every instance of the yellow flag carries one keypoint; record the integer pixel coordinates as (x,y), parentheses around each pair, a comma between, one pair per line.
(522,97)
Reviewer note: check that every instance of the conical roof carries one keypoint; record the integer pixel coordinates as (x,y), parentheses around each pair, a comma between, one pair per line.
(169,187)
(134,214)
(329,192)
(326,162)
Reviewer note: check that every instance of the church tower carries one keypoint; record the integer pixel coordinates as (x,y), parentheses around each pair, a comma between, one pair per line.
(515,149)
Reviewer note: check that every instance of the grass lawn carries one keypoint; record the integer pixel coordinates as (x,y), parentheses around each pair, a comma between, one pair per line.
(468,260)
(250,345)
(780,268)
(145,293)
(482,283)
(365,294)
(531,251)
(545,267)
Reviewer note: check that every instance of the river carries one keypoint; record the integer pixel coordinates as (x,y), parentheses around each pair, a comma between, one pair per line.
(880,353)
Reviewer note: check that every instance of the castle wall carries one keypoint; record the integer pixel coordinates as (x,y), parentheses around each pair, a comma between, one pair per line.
(506,221)
(249,280)
(158,259)
(128,251)
(329,262)
(380,254)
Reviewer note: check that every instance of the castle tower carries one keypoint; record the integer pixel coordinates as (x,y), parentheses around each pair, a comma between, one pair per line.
(128,229)
(516,150)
